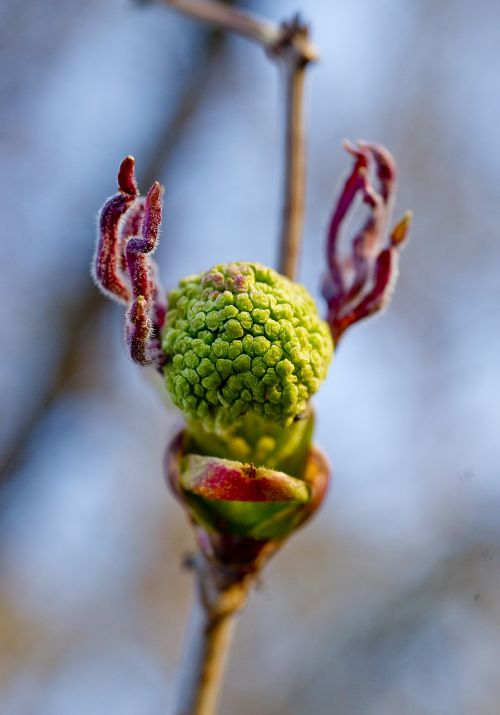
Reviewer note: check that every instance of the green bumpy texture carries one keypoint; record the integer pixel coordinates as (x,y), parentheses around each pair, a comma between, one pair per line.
(243,339)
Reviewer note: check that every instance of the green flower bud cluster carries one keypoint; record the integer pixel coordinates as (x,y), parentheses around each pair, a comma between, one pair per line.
(243,339)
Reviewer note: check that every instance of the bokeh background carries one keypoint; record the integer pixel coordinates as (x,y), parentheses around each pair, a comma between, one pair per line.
(389,602)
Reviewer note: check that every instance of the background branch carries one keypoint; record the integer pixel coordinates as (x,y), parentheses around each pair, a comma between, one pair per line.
(292,222)
(289,44)
(229,19)
(76,321)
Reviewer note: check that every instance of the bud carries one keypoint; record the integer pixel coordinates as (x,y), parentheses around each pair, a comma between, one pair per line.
(232,504)
(242,339)
(242,350)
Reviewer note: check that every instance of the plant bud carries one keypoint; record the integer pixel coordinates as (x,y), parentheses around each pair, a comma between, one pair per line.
(242,339)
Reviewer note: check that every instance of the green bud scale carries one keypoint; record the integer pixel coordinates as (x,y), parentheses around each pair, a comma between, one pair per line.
(242,339)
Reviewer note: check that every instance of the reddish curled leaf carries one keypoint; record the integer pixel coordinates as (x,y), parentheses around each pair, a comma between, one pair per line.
(138,330)
(127,182)
(129,227)
(108,265)
(335,286)
(223,479)
(138,247)
(361,284)
(159,300)
(144,280)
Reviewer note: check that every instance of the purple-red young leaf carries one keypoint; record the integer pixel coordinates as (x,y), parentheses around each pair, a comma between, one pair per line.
(129,227)
(138,330)
(108,265)
(360,284)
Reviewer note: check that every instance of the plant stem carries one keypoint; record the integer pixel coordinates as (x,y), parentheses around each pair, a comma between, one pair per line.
(288,43)
(219,599)
(206,649)
(294,183)
(220,594)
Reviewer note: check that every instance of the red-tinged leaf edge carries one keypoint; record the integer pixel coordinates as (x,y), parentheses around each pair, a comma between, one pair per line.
(227,480)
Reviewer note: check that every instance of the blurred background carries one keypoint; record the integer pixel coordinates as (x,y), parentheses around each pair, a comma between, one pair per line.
(389,602)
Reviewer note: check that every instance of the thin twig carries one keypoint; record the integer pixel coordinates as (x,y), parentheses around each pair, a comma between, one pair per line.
(206,648)
(219,596)
(289,44)
(292,222)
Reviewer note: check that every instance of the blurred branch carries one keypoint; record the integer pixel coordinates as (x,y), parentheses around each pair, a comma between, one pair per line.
(230,19)
(209,50)
(289,44)
(267,34)
(79,318)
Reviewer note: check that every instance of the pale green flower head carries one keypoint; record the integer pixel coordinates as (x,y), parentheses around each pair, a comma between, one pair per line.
(243,339)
